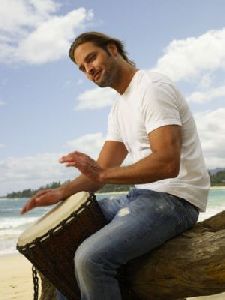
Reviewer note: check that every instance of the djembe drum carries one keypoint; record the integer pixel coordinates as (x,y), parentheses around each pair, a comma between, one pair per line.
(50,243)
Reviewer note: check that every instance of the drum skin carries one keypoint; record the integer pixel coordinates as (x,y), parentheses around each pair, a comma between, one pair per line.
(52,252)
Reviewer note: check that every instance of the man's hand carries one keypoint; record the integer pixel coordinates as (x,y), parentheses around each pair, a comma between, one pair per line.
(85,164)
(43,198)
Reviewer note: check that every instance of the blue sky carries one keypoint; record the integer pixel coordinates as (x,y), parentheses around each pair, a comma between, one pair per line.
(47,107)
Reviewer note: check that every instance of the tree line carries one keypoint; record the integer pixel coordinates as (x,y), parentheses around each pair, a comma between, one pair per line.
(217,179)
(28,193)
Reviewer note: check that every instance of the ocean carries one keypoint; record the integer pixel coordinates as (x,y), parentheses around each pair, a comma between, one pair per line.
(12,224)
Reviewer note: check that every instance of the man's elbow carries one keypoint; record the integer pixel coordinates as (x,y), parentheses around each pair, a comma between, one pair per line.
(173,169)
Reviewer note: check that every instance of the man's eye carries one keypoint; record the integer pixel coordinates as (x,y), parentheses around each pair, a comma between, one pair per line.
(91,58)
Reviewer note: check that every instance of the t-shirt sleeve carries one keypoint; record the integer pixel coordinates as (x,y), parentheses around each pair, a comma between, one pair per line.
(113,133)
(160,107)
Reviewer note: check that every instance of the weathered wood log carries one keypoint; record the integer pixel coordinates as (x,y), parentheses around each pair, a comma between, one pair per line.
(190,265)
(48,291)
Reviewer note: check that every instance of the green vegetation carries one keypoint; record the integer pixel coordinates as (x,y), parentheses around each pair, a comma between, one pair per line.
(217,179)
(29,193)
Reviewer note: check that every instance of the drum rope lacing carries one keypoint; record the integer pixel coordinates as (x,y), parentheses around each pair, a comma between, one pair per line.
(35,283)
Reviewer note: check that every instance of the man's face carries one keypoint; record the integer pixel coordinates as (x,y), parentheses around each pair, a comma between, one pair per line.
(98,65)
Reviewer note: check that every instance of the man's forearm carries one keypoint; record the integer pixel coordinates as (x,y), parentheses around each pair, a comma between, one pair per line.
(79,184)
(149,169)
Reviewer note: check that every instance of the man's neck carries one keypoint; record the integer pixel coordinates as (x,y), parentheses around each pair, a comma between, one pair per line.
(126,75)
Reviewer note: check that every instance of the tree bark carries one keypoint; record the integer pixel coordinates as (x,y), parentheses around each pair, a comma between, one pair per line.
(190,265)
(48,291)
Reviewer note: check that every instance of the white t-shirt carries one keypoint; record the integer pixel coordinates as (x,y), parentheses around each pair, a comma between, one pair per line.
(151,101)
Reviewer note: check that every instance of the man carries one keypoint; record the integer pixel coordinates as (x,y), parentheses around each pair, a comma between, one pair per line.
(151,121)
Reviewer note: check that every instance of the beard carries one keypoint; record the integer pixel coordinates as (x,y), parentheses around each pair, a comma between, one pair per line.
(111,74)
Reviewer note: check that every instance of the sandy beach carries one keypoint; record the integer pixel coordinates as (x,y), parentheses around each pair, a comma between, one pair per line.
(16,280)
(217,187)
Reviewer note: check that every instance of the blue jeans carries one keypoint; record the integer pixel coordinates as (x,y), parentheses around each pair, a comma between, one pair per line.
(138,223)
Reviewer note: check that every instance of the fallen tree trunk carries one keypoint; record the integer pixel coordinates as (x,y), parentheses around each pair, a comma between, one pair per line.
(190,265)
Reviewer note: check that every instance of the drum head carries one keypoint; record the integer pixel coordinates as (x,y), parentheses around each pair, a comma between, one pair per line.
(50,220)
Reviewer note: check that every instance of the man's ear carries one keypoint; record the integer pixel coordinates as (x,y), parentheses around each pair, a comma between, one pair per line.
(112,49)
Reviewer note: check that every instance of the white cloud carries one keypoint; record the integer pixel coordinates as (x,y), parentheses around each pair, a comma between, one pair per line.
(50,41)
(40,169)
(96,98)
(206,81)
(190,57)
(16,14)
(208,95)
(32,171)
(32,32)
(90,144)
(210,126)
(2,146)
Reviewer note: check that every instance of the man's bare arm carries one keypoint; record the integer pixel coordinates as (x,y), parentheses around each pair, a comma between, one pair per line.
(112,154)
(162,163)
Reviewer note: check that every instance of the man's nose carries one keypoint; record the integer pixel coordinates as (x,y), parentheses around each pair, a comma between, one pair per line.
(89,69)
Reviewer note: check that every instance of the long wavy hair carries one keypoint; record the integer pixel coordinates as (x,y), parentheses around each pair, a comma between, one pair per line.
(100,40)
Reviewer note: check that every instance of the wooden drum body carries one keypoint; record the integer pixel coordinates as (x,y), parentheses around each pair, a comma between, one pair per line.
(50,244)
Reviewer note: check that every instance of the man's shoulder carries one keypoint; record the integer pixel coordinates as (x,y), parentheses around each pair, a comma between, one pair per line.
(158,88)
(155,77)
(150,82)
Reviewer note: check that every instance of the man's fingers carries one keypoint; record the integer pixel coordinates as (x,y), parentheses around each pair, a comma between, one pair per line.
(65,158)
(34,202)
(80,154)
(44,198)
(84,163)
(74,156)
(68,158)
(71,164)
(28,206)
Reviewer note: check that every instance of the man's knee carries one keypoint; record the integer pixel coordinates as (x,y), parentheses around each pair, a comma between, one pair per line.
(86,259)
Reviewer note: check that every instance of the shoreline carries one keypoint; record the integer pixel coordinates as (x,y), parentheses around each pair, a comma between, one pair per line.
(16,279)
(216,187)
